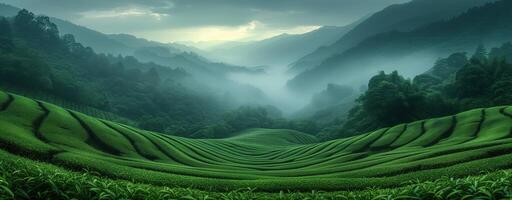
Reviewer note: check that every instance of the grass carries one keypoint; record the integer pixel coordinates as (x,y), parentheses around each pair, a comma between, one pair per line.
(44,96)
(263,159)
(21,178)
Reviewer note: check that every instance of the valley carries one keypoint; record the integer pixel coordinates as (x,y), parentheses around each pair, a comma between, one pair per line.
(172,99)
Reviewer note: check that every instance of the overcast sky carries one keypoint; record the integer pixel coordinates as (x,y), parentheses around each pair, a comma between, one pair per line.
(205,20)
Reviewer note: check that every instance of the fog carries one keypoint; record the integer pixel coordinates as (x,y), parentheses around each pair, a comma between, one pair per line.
(273,83)
(265,79)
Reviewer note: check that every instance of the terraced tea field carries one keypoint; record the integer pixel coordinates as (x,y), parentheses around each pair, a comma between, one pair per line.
(268,160)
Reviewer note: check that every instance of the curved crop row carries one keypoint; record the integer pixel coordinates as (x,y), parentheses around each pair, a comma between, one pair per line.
(456,145)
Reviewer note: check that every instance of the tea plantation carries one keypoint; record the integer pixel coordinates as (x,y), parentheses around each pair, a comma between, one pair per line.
(69,155)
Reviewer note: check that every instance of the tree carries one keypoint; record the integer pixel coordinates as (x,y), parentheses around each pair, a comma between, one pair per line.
(5,28)
(6,43)
(39,30)
(151,77)
(445,67)
(391,99)
(480,55)
(153,123)
(426,81)
(502,93)
(503,52)
(24,20)
(472,81)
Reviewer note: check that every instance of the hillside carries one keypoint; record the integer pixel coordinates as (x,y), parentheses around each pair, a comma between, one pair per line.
(129,45)
(457,145)
(102,43)
(36,60)
(411,52)
(279,50)
(399,17)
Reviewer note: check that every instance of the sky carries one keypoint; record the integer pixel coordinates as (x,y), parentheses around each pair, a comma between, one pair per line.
(205,20)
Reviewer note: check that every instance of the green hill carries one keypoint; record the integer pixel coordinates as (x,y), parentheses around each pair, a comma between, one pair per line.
(410,52)
(265,159)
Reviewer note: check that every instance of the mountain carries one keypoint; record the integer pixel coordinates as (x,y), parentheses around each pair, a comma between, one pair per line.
(37,61)
(280,50)
(199,66)
(135,43)
(114,44)
(169,54)
(166,54)
(399,17)
(411,52)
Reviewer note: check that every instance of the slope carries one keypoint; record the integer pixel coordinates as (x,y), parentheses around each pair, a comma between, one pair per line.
(458,145)
(399,17)
(128,45)
(279,50)
(411,52)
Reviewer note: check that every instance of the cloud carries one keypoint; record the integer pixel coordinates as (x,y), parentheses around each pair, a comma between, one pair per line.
(122,13)
(212,17)
(253,30)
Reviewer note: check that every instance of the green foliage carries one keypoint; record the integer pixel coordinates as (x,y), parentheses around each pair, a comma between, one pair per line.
(466,27)
(391,99)
(35,59)
(18,69)
(6,43)
(268,160)
(39,30)
(472,81)
(480,55)
(21,178)
(246,117)
(502,52)
(453,85)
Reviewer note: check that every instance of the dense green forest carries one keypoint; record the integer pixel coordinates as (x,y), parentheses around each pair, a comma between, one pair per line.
(35,59)
(413,101)
(408,50)
(143,92)
(454,84)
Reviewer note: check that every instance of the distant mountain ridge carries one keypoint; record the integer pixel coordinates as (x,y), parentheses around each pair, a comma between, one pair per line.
(408,51)
(399,17)
(123,44)
(280,50)
(129,45)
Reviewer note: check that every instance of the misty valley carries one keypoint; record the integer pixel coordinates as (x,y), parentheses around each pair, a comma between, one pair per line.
(193,99)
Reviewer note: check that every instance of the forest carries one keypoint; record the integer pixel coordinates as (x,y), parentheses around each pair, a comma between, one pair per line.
(171,99)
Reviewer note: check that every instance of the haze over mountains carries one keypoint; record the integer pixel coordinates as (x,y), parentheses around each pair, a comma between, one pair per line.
(399,17)
(285,99)
(290,71)
(129,45)
(279,50)
(407,50)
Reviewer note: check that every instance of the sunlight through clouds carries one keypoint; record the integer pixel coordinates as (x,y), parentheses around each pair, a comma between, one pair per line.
(206,20)
(254,30)
(122,12)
